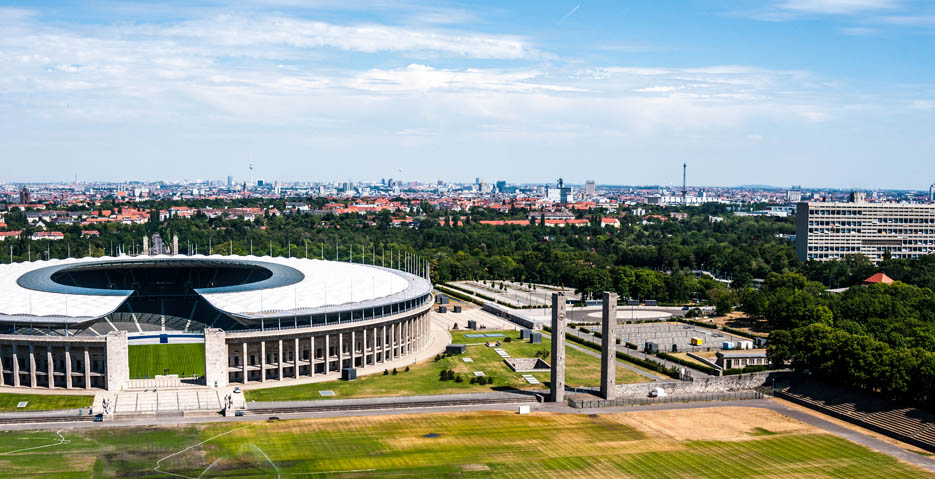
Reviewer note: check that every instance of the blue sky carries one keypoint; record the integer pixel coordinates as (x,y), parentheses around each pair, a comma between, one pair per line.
(837,93)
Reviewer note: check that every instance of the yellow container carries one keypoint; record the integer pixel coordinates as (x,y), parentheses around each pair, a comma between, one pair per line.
(697,341)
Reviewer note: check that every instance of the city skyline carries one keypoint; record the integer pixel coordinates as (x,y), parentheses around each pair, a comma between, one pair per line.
(775,92)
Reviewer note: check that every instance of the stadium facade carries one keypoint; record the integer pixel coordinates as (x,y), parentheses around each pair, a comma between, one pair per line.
(70,323)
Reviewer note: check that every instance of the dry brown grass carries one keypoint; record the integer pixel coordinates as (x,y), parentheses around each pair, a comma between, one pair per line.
(713,424)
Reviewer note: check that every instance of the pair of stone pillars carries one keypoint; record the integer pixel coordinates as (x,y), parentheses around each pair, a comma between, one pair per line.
(608,347)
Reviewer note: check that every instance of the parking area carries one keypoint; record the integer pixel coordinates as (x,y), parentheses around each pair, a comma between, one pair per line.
(667,334)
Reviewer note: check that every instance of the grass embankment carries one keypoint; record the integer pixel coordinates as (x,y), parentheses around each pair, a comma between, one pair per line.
(148,360)
(423,378)
(43,402)
(452,444)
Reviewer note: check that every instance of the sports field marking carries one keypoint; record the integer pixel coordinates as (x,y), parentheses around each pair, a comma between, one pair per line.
(159,462)
(60,442)
(209,467)
(278,475)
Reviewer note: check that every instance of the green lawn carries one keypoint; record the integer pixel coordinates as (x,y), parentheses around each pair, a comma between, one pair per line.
(423,378)
(466,444)
(42,402)
(148,360)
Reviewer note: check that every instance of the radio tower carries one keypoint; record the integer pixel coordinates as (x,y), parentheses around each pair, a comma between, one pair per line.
(684,184)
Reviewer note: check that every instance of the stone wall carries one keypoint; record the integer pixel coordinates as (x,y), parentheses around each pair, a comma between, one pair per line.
(738,382)
(118,364)
(215,358)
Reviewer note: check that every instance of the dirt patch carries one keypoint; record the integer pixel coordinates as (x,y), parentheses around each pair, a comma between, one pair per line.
(474,467)
(714,424)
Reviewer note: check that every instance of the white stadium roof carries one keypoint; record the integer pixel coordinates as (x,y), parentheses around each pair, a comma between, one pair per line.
(325,286)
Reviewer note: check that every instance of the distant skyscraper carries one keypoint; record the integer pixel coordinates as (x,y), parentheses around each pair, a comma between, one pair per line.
(501,185)
(477,180)
(589,188)
(230,181)
(24,196)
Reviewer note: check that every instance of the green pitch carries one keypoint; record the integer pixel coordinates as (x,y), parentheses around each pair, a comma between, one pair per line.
(474,444)
(148,360)
(43,402)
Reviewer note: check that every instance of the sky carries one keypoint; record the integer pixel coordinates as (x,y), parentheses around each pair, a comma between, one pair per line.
(818,93)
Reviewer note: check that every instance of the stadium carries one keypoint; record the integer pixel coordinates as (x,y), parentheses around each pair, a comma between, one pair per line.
(119,322)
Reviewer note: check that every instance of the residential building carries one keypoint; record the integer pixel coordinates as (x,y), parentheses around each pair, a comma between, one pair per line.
(828,231)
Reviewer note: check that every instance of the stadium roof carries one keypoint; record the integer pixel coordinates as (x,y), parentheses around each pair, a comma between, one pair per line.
(297,286)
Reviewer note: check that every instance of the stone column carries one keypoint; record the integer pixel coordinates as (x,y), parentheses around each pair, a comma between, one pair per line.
(383,345)
(2,381)
(68,384)
(263,361)
(243,362)
(50,366)
(340,352)
(117,366)
(87,368)
(609,347)
(15,368)
(373,347)
(217,358)
(32,366)
(353,349)
(281,358)
(295,358)
(557,393)
(311,357)
(327,354)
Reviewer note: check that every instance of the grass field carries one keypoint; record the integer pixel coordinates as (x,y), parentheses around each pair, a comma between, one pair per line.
(470,444)
(42,402)
(423,378)
(148,360)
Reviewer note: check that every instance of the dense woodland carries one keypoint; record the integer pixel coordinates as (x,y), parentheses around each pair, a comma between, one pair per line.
(879,338)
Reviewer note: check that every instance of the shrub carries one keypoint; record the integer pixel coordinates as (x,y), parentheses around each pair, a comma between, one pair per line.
(473,380)
(438,357)
(507,339)
(385,372)
(407,369)
(458,379)
(395,372)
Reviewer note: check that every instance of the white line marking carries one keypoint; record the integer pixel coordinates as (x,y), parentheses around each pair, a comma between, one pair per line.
(278,475)
(209,467)
(61,441)
(158,463)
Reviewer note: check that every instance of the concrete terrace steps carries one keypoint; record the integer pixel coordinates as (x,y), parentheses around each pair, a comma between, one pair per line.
(912,425)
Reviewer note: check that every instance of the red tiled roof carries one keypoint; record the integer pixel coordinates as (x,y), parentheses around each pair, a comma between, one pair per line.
(879,278)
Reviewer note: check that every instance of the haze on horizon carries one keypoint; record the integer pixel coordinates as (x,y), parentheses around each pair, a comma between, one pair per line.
(824,93)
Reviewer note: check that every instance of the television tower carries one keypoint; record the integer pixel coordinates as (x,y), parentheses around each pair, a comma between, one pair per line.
(251,176)
(932,193)
(684,184)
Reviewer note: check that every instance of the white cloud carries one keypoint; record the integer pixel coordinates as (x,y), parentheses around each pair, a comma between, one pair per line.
(837,7)
(859,31)
(924,105)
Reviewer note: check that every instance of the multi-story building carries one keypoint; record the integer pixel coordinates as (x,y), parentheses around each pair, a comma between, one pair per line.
(827,231)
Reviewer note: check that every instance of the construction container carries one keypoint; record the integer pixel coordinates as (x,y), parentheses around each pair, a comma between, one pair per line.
(524,333)
(472,324)
(696,341)
(535,338)
(745,344)
(650,348)
(457,308)
(728,345)
(443,309)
